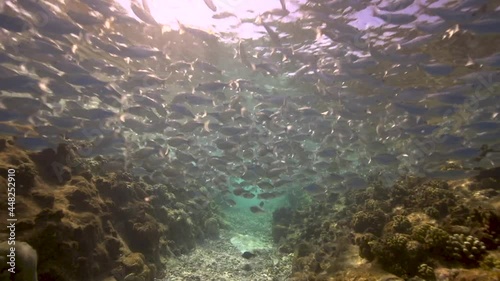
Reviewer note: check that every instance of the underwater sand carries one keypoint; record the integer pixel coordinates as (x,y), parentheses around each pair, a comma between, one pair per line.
(219,260)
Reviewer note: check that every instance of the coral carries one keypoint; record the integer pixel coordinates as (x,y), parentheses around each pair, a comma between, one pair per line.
(4,144)
(417,194)
(212,228)
(364,242)
(488,224)
(278,232)
(490,262)
(399,254)
(303,249)
(91,227)
(426,272)
(132,267)
(432,212)
(53,166)
(44,199)
(466,249)
(434,238)
(400,224)
(26,174)
(372,222)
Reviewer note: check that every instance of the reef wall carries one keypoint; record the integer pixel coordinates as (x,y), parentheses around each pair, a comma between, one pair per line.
(89,225)
(418,229)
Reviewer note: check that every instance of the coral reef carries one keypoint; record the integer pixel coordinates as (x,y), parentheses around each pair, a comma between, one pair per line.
(426,272)
(87,226)
(468,249)
(412,229)
(212,228)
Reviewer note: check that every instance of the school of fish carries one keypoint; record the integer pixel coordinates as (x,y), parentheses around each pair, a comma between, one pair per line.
(321,102)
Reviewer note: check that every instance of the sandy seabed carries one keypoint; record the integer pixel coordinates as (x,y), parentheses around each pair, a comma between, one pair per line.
(220,260)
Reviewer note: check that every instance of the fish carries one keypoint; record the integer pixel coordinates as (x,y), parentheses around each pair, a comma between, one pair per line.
(268,195)
(355,183)
(394,6)
(24,105)
(185,157)
(437,69)
(266,68)
(179,141)
(256,209)
(13,24)
(181,109)
(198,33)
(142,12)
(33,143)
(24,84)
(283,5)
(230,202)
(385,159)
(433,27)
(210,4)
(232,131)
(244,59)
(395,18)
(314,188)
(91,18)
(492,60)
(239,191)
(10,130)
(206,67)
(275,39)
(482,26)
(192,99)
(82,79)
(211,86)
(224,15)
(139,52)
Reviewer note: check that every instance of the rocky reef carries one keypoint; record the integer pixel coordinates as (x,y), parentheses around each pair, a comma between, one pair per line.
(417,229)
(89,225)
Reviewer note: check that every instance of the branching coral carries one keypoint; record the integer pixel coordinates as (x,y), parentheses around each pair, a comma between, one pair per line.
(466,249)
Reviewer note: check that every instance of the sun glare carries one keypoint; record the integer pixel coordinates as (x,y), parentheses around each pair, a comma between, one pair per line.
(197,14)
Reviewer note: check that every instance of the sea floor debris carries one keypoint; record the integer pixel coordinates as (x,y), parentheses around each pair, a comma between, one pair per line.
(219,260)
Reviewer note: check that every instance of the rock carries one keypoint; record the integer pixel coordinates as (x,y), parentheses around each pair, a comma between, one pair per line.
(25,264)
(278,232)
(212,228)
(285,249)
(46,200)
(112,245)
(134,268)
(3,144)
(248,255)
(302,250)
(25,178)
(456,274)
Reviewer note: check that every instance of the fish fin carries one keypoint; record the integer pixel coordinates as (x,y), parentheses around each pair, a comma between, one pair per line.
(258,19)
(145,6)
(470,61)
(210,4)
(206,126)
(182,28)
